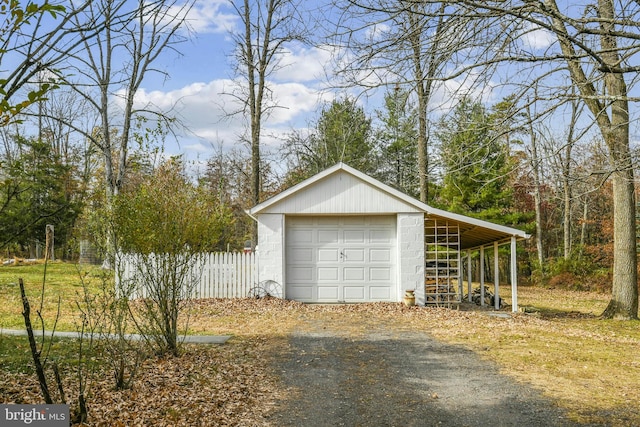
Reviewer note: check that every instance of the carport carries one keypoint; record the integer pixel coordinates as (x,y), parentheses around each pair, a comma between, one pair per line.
(450,241)
(343,236)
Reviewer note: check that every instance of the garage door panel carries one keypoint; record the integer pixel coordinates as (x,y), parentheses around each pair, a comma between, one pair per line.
(380,236)
(379,293)
(300,293)
(353,255)
(328,293)
(327,273)
(354,274)
(308,221)
(328,236)
(354,293)
(328,255)
(351,221)
(379,274)
(354,236)
(386,221)
(302,255)
(380,255)
(326,221)
(301,274)
(301,236)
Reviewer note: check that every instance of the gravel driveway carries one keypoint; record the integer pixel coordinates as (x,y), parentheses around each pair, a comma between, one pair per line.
(385,377)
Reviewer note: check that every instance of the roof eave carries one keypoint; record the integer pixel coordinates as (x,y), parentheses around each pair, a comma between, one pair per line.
(478,222)
(261,207)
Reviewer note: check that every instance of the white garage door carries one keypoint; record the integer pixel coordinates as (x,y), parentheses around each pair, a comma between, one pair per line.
(341,259)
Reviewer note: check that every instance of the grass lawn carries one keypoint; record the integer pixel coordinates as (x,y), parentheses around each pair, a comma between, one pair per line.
(589,366)
(64,283)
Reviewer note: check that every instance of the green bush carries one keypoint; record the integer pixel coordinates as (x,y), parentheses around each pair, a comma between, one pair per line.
(578,273)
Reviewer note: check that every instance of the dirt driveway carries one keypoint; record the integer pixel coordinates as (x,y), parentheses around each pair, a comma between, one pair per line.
(385,377)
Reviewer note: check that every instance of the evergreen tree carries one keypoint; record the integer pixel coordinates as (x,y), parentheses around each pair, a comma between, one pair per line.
(37,189)
(475,158)
(397,143)
(343,133)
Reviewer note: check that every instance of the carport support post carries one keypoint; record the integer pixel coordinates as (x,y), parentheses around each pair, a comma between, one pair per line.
(514,276)
(482,276)
(469,275)
(460,276)
(496,277)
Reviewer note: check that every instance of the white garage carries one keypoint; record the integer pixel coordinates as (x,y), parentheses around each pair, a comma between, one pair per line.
(342,236)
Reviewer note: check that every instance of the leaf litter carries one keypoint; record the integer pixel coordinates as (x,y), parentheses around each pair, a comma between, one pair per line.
(236,384)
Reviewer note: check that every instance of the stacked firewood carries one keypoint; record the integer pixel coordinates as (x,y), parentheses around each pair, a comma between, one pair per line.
(489,298)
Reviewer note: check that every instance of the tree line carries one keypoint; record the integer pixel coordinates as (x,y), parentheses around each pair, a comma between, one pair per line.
(518,113)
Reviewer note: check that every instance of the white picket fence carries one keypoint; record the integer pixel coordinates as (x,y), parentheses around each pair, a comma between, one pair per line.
(220,274)
(228,275)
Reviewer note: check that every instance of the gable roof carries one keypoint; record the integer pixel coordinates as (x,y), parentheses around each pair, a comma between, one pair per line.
(474,232)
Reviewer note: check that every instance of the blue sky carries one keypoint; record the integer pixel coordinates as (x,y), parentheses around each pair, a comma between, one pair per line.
(199,78)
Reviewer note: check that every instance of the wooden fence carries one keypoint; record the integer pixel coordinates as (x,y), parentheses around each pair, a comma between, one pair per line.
(228,275)
(218,275)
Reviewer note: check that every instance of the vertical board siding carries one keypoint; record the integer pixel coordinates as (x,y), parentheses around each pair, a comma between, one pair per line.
(341,193)
(222,275)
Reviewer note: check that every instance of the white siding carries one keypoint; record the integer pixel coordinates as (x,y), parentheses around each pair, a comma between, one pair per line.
(341,193)
(271,248)
(411,254)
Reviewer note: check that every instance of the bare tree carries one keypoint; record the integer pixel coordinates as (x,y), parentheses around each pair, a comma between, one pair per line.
(267,28)
(559,154)
(589,55)
(535,162)
(53,116)
(566,161)
(592,46)
(35,37)
(408,44)
(77,45)
(110,68)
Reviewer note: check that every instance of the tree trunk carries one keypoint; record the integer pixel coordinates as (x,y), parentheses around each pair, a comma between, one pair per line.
(567,218)
(612,117)
(624,295)
(583,231)
(539,241)
(424,85)
(566,175)
(422,92)
(537,197)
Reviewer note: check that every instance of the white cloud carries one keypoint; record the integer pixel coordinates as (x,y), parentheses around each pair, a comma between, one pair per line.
(210,16)
(300,64)
(536,37)
(197,148)
(295,100)
(203,108)
(200,108)
(377,31)
(446,95)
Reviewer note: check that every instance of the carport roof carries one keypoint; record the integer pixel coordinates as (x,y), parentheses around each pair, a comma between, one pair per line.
(473,232)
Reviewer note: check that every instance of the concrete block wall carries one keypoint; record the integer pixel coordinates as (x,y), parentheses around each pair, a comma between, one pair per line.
(411,254)
(270,251)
